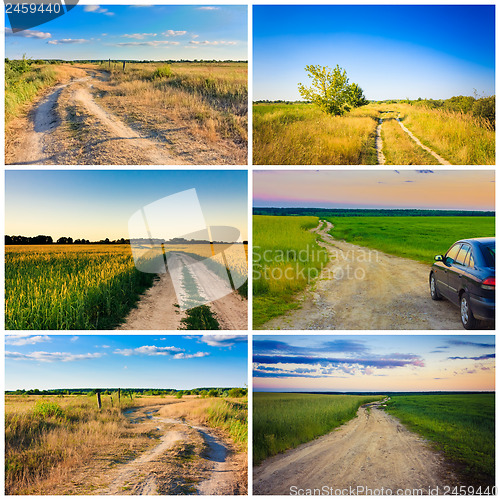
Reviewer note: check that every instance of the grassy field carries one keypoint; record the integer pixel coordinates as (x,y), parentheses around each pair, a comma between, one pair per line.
(283,249)
(210,99)
(282,421)
(461,425)
(301,134)
(49,439)
(418,238)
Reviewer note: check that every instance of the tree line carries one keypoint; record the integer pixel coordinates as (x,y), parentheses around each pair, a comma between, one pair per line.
(43,239)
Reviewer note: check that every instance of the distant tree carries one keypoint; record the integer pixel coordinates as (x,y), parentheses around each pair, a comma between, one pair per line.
(330,90)
(213,393)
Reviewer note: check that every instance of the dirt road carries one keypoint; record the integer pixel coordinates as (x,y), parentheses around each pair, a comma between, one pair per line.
(163,306)
(68,125)
(145,475)
(366,289)
(378,142)
(372,451)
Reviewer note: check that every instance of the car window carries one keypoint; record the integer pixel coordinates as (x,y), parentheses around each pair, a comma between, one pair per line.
(462,255)
(470,260)
(489,254)
(452,254)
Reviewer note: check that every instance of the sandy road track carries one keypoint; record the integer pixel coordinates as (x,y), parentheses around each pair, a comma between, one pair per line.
(378,142)
(366,289)
(373,451)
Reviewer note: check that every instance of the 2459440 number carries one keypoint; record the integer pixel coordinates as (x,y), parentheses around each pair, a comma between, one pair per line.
(32,8)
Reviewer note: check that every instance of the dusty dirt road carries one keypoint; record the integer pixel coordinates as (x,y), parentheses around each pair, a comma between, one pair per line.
(145,475)
(68,125)
(364,289)
(372,451)
(158,309)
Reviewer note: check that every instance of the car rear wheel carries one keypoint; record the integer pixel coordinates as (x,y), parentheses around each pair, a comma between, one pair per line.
(468,320)
(435,295)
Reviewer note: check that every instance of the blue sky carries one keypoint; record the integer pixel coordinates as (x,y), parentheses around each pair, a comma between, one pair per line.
(125,361)
(374,363)
(391,51)
(97,204)
(152,32)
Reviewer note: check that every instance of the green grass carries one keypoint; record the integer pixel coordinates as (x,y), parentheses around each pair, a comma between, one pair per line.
(70,287)
(282,421)
(461,425)
(200,318)
(286,257)
(417,238)
(231,416)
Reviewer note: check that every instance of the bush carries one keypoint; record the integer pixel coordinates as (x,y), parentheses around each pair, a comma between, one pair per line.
(162,72)
(47,409)
(485,108)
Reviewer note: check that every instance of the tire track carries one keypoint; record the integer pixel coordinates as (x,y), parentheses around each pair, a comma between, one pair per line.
(379,143)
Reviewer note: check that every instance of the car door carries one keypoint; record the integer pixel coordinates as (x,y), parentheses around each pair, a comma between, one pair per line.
(442,268)
(457,273)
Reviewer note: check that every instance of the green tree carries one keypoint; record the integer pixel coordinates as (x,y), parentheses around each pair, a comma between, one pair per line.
(331,91)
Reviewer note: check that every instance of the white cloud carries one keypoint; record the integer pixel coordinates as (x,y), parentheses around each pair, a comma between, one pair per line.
(214,42)
(223,340)
(49,357)
(68,40)
(26,339)
(182,355)
(155,43)
(28,34)
(149,350)
(138,36)
(208,8)
(74,339)
(97,9)
(173,33)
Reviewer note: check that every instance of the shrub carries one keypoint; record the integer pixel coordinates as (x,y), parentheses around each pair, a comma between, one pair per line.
(47,409)
(162,72)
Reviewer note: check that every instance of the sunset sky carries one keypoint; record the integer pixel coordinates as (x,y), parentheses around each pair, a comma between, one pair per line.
(374,363)
(425,189)
(152,32)
(127,361)
(97,204)
(391,51)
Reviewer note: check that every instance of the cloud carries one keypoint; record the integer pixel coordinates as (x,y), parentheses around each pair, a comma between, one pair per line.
(207,8)
(214,42)
(28,34)
(50,357)
(26,339)
(223,340)
(425,171)
(276,346)
(182,355)
(68,40)
(263,374)
(138,36)
(483,345)
(475,358)
(74,339)
(149,350)
(97,9)
(173,33)
(155,43)
(409,181)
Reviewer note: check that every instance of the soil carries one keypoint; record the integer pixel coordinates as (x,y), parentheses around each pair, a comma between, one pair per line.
(372,451)
(365,289)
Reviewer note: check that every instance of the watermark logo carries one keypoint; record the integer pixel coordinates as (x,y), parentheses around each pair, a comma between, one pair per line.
(205,263)
(25,15)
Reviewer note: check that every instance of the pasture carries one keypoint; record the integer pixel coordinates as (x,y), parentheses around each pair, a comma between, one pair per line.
(461,425)
(284,420)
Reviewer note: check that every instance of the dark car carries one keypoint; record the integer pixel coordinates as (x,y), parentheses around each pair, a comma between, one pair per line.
(465,276)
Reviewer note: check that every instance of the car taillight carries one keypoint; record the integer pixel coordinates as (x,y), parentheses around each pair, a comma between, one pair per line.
(488,283)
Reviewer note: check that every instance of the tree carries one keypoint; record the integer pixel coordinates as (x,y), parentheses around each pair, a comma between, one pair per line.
(331,91)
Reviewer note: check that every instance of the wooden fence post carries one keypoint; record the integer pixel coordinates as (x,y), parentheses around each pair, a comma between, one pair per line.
(119,396)
(98,394)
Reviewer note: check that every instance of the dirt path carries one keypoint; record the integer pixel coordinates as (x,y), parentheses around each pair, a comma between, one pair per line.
(440,159)
(379,143)
(136,477)
(53,122)
(366,289)
(372,451)
(158,308)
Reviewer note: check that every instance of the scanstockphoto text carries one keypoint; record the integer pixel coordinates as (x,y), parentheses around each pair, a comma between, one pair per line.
(365,490)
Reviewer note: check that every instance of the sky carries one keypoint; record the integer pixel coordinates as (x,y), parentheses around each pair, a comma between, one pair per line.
(152,32)
(125,361)
(97,204)
(424,189)
(391,51)
(374,363)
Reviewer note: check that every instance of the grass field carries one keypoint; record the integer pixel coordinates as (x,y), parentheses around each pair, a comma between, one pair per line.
(418,238)
(461,425)
(48,439)
(282,421)
(301,134)
(285,255)
(209,98)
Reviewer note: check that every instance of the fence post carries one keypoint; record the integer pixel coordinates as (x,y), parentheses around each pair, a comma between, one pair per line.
(98,394)
(119,395)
